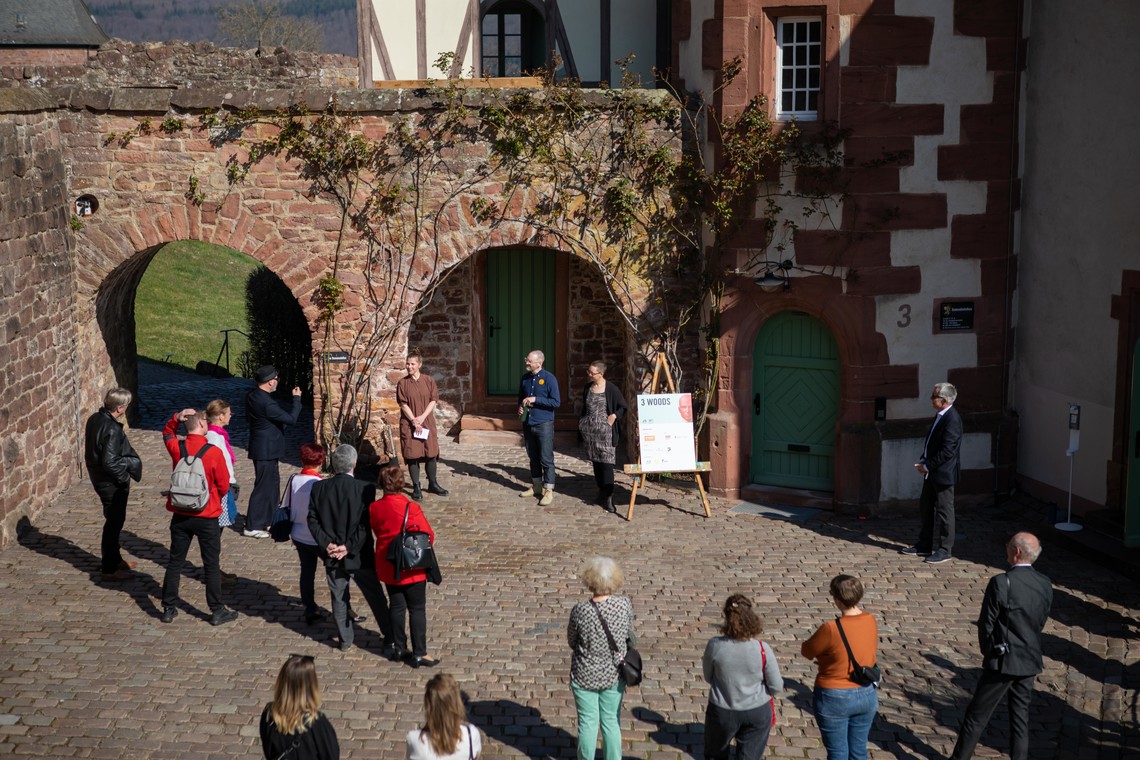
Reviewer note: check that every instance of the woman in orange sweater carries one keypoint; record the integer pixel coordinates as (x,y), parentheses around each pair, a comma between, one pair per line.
(844,709)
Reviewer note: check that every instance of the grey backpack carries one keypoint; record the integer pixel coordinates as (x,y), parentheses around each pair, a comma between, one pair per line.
(189,486)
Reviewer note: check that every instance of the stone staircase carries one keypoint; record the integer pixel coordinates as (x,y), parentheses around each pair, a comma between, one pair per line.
(496,422)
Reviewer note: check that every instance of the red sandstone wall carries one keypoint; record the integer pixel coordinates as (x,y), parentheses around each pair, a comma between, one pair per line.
(39,410)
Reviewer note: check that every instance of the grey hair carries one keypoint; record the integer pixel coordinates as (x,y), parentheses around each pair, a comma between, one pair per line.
(1027,544)
(541,356)
(343,459)
(946,391)
(115,398)
(602,576)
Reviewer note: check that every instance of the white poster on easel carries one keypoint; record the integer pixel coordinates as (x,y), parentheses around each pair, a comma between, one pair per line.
(665,424)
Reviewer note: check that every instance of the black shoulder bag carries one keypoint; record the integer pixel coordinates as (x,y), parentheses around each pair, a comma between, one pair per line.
(629,668)
(864,675)
(410,549)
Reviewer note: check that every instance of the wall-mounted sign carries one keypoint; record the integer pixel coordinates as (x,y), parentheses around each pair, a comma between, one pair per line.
(336,357)
(956,315)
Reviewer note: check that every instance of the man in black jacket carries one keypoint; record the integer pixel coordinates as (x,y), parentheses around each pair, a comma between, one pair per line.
(111,464)
(338,520)
(267,421)
(1014,611)
(940,466)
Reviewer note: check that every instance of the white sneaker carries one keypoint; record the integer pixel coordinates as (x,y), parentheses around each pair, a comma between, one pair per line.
(547,497)
(531,492)
(255,533)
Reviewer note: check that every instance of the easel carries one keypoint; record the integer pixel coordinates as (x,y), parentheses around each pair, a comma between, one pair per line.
(640,477)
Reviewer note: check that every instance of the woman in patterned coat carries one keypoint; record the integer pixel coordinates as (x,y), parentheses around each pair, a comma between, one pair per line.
(594,678)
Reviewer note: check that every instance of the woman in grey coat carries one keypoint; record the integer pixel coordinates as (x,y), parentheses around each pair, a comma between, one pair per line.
(742,674)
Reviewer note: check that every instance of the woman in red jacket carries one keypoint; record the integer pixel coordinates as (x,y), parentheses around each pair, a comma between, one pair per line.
(409,591)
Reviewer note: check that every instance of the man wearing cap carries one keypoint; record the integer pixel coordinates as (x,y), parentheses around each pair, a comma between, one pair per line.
(267,421)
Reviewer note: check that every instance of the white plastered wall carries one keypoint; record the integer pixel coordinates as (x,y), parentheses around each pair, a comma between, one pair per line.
(955,76)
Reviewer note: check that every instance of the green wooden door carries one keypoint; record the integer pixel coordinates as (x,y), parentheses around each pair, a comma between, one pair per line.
(520,315)
(1132,452)
(795,403)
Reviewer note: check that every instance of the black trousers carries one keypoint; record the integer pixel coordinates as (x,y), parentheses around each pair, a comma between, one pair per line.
(604,477)
(183,530)
(991,688)
(430,464)
(936,508)
(750,728)
(266,493)
(114,498)
(410,599)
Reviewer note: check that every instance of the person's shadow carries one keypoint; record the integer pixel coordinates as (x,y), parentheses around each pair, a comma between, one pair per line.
(687,737)
(140,587)
(521,727)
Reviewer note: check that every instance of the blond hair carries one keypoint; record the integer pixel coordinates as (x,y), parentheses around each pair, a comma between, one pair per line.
(443,714)
(296,695)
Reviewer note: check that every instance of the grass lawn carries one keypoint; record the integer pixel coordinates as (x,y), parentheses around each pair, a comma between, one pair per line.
(190,292)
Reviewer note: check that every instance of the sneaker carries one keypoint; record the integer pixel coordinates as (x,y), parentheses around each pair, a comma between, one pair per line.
(168,614)
(547,497)
(223,615)
(437,490)
(115,577)
(255,533)
(531,491)
(938,557)
(914,551)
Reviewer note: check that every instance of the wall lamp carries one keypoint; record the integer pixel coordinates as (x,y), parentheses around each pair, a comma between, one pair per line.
(775,277)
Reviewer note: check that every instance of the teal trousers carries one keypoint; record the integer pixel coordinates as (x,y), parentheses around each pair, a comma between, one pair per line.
(594,707)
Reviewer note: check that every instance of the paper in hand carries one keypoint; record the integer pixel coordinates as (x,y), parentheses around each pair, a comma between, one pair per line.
(421,434)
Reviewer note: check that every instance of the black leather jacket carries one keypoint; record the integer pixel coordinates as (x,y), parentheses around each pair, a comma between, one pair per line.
(110,458)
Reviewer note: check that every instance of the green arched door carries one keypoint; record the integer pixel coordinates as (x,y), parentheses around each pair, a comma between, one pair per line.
(795,403)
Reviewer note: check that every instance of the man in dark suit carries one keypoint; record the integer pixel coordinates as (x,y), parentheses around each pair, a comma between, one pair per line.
(940,466)
(1014,611)
(338,520)
(267,421)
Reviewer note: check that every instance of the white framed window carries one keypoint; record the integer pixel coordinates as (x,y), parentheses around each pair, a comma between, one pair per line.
(799,46)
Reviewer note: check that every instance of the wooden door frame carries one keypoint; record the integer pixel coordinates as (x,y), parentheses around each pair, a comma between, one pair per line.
(480,400)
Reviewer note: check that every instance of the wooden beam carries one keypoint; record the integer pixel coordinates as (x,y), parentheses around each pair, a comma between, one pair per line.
(378,39)
(363,42)
(421,38)
(475,84)
(554,18)
(605,43)
(464,38)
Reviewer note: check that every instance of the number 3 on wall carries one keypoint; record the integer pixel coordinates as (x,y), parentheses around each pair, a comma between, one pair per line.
(904,319)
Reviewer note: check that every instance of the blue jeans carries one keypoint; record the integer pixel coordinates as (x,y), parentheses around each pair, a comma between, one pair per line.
(539,442)
(844,717)
(594,706)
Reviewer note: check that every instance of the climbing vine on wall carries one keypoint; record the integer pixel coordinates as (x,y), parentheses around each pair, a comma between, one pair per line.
(623,178)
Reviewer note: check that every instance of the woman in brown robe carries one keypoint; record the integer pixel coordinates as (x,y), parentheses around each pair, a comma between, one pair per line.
(417,396)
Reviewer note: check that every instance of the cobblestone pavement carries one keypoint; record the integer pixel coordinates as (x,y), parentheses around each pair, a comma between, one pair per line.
(87,669)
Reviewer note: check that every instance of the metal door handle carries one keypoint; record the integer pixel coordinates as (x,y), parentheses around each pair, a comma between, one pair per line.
(756,404)
(1136,450)
(799,447)
(491,327)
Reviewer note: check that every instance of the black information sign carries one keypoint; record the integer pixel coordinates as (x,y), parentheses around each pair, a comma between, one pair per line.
(956,315)
(336,357)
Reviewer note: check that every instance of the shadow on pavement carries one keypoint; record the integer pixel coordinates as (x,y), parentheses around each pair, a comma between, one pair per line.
(521,727)
(140,587)
(687,737)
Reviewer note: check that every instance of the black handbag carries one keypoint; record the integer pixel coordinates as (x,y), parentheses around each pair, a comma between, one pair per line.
(629,668)
(281,526)
(410,549)
(864,675)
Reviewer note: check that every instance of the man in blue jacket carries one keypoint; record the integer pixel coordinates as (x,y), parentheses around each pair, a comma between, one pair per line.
(267,421)
(538,398)
(940,466)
